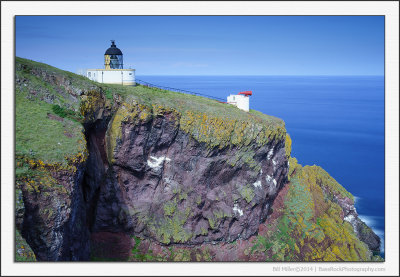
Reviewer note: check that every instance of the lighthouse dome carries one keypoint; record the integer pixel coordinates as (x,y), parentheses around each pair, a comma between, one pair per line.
(113,50)
(113,57)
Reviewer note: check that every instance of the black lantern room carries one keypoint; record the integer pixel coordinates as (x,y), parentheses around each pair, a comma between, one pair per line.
(113,57)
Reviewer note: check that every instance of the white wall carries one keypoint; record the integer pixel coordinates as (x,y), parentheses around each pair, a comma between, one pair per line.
(123,77)
(240,101)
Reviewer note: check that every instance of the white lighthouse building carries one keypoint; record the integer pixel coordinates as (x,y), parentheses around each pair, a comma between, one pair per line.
(240,100)
(113,72)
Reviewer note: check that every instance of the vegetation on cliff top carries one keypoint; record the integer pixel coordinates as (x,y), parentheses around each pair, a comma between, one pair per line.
(311,227)
(41,134)
(220,126)
(44,141)
(143,95)
(46,126)
(206,120)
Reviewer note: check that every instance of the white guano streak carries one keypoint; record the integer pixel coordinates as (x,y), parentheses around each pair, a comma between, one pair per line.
(269,179)
(237,209)
(257,184)
(155,162)
(270,153)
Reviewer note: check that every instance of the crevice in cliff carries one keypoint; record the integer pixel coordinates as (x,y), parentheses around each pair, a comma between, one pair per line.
(96,167)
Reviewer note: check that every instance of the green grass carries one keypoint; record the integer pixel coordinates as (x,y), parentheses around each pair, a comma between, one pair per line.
(36,135)
(42,138)
(49,91)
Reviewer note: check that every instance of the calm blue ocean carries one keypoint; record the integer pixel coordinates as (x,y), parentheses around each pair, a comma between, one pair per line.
(336,122)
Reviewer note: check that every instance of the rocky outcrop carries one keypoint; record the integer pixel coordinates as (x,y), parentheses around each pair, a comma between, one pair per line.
(162,183)
(367,235)
(363,231)
(337,194)
(53,222)
(346,202)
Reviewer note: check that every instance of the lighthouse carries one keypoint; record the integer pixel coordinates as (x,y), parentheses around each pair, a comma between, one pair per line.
(240,100)
(113,71)
(113,57)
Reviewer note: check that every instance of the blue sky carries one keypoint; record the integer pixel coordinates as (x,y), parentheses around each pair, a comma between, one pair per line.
(209,45)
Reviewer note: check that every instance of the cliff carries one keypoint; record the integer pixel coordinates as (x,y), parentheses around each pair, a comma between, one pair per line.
(106,172)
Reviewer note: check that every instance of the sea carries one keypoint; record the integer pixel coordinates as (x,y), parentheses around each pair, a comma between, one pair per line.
(336,122)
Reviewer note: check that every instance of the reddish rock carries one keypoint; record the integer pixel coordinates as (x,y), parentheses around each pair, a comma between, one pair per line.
(158,166)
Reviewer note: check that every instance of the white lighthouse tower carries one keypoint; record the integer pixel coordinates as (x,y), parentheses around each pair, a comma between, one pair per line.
(240,100)
(113,72)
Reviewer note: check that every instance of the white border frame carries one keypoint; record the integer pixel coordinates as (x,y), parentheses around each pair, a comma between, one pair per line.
(388,8)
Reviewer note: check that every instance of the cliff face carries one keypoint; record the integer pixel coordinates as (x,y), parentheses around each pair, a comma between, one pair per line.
(163,183)
(50,157)
(156,171)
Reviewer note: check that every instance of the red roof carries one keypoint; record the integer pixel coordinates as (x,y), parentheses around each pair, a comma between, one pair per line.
(247,93)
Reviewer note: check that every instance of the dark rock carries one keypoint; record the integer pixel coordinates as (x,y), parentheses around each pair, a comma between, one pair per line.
(367,235)
(55,226)
(166,186)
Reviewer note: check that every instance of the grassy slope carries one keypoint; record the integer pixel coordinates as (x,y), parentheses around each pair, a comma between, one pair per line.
(36,135)
(25,69)
(151,96)
(41,137)
(203,111)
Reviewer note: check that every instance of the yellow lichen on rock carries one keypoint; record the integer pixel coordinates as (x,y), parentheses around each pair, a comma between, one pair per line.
(315,174)
(221,132)
(288,145)
(127,111)
(312,226)
(92,105)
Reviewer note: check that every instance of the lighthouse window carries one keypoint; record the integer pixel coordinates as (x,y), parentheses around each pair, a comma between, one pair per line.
(130,73)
